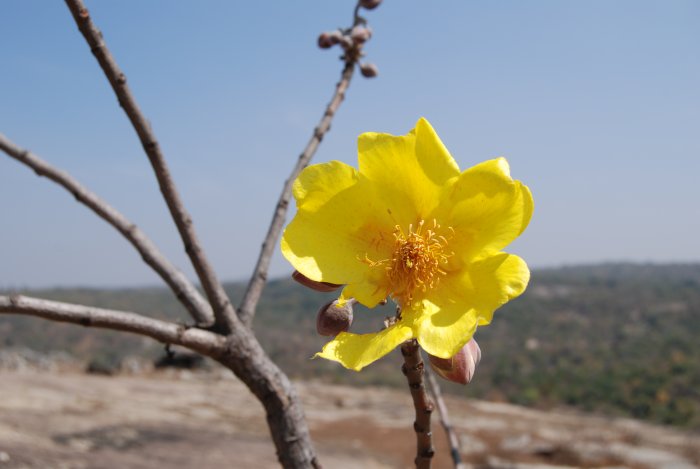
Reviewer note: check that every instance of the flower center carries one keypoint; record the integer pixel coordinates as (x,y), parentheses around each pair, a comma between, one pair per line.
(417,262)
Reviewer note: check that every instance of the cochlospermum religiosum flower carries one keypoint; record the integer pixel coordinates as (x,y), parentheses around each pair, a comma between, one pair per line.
(411,226)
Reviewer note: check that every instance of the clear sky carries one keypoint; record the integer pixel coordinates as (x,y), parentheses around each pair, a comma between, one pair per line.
(596,104)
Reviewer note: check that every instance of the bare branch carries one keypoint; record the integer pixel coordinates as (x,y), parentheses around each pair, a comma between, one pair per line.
(445,420)
(204,342)
(259,277)
(283,409)
(413,368)
(188,295)
(223,309)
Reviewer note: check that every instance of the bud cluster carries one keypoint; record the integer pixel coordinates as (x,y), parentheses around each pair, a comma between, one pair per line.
(352,39)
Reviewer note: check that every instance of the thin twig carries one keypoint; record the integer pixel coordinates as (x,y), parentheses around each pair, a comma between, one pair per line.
(257,281)
(204,342)
(223,309)
(413,368)
(445,420)
(188,295)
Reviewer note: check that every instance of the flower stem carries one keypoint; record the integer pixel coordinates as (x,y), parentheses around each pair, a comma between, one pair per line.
(445,420)
(413,369)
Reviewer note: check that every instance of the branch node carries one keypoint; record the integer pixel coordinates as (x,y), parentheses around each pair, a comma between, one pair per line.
(413,369)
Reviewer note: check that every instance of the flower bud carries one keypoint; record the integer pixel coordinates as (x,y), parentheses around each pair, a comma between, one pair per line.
(460,368)
(370,4)
(360,34)
(334,317)
(369,70)
(345,42)
(313,284)
(326,40)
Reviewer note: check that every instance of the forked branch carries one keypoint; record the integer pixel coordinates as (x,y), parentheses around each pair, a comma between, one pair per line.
(188,295)
(223,309)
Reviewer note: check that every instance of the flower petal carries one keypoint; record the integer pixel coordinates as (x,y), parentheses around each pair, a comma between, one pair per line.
(355,351)
(409,171)
(335,226)
(369,291)
(318,183)
(468,299)
(443,330)
(488,209)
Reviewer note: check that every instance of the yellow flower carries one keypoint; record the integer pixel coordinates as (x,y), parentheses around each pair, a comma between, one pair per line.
(409,225)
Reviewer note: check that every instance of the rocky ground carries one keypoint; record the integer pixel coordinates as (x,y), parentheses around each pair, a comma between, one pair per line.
(71,420)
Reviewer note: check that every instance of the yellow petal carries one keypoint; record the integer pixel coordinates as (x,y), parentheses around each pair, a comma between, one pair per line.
(466,299)
(335,226)
(488,209)
(320,182)
(355,351)
(370,290)
(411,172)
(443,330)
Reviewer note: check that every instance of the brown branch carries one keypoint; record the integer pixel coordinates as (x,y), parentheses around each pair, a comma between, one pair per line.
(176,280)
(204,342)
(445,420)
(283,409)
(259,277)
(413,368)
(244,355)
(223,309)
(240,352)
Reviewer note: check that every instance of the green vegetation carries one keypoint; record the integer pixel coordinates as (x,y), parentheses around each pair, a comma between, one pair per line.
(619,339)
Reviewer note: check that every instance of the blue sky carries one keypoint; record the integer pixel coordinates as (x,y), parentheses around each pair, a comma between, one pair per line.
(595,104)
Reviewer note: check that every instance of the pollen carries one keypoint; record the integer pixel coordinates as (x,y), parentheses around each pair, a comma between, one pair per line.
(418,261)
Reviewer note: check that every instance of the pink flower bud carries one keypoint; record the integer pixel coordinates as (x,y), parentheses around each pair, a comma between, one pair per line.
(325,40)
(370,4)
(313,284)
(460,368)
(360,34)
(334,317)
(346,43)
(369,70)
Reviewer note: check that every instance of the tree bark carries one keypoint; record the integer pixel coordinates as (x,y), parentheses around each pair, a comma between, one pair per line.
(413,369)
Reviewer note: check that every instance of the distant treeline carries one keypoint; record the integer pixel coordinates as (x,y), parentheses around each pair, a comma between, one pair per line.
(619,339)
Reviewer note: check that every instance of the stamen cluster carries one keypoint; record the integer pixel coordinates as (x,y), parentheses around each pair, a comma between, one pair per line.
(417,263)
